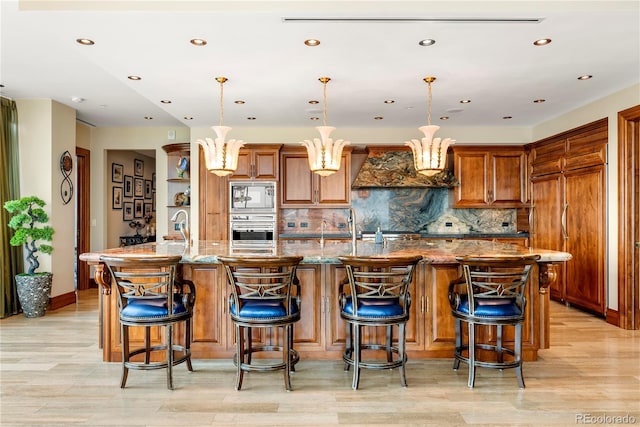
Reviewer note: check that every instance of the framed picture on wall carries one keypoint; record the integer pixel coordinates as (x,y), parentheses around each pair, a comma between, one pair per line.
(127,211)
(128,186)
(116,198)
(148,209)
(138,187)
(153,181)
(138,208)
(117,172)
(138,167)
(153,201)
(147,189)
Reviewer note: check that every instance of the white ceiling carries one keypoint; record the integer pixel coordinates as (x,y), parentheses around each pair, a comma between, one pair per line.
(494,64)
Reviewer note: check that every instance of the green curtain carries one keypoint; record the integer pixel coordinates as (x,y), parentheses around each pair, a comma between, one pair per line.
(12,261)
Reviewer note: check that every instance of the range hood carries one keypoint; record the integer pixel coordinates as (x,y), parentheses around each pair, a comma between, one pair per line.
(385,168)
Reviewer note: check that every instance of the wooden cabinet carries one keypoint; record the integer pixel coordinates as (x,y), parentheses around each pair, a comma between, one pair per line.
(303,188)
(214,204)
(178,183)
(568,197)
(490,177)
(257,162)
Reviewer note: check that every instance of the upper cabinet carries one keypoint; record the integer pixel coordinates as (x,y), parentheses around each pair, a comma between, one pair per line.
(302,188)
(490,176)
(257,162)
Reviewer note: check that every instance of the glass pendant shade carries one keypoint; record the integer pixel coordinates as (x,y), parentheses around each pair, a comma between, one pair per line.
(324,153)
(221,157)
(429,154)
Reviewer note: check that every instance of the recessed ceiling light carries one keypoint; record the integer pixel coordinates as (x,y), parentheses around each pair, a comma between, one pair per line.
(426,42)
(389,101)
(198,42)
(148,118)
(77,99)
(312,42)
(541,42)
(239,102)
(465,101)
(251,118)
(85,42)
(378,118)
(188,118)
(314,118)
(444,118)
(585,77)
(165,101)
(539,101)
(134,78)
(313,102)
(507,117)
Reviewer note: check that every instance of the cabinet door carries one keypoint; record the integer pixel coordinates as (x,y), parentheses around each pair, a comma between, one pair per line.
(257,163)
(585,238)
(307,333)
(507,173)
(265,164)
(297,180)
(335,189)
(210,311)
(213,204)
(546,221)
(440,330)
(471,169)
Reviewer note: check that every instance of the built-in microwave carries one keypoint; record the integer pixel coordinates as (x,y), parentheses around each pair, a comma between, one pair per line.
(252,196)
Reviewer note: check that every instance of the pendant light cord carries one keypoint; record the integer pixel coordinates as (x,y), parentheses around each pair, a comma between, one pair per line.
(221,105)
(324,104)
(429,104)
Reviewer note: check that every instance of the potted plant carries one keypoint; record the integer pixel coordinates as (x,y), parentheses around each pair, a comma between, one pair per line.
(29,222)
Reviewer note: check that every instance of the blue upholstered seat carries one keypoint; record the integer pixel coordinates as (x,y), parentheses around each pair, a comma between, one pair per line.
(151,307)
(374,307)
(264,309)
(498,307)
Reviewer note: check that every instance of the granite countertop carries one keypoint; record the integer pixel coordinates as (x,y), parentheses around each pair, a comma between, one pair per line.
(422,235)
(433,251)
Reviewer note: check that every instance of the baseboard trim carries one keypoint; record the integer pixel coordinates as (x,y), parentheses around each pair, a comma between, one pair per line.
(613,317)
(63,300)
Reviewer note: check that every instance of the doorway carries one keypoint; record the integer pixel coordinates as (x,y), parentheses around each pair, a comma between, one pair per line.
(83,230)
(629,212)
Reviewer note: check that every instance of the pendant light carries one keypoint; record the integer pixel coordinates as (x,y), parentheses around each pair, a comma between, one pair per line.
(221,157)
(429,154)
(325,153)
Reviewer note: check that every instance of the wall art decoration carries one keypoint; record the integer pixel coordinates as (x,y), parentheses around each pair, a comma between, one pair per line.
(138,167)
(138,187)
(116,198)
(138,206)
(117,172)
(66,186)
(128,186)
(147,189)
(127,211)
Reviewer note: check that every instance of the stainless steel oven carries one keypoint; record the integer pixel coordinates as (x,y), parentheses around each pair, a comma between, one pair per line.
(252,229)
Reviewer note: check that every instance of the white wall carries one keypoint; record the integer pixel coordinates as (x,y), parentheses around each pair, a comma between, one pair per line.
(46,129)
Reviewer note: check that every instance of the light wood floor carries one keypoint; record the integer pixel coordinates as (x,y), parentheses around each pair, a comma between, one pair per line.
(52,375)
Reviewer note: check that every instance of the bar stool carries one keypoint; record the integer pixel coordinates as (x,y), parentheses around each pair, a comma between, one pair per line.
(146,287)
(377,295)
(265,293)
(491,291)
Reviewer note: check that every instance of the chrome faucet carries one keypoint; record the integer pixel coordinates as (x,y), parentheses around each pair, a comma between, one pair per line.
(352,227)
(323,226)
(184,224)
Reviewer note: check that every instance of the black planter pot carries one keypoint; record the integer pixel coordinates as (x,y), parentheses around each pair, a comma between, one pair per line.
(33,293)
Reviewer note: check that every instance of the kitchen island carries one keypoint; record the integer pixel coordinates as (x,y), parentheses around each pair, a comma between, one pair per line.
(320,334)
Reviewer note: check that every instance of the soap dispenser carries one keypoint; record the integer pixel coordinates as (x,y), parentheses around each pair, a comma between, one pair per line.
(378,238)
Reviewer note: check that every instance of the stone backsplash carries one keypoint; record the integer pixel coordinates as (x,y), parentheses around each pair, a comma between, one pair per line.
(417,210)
